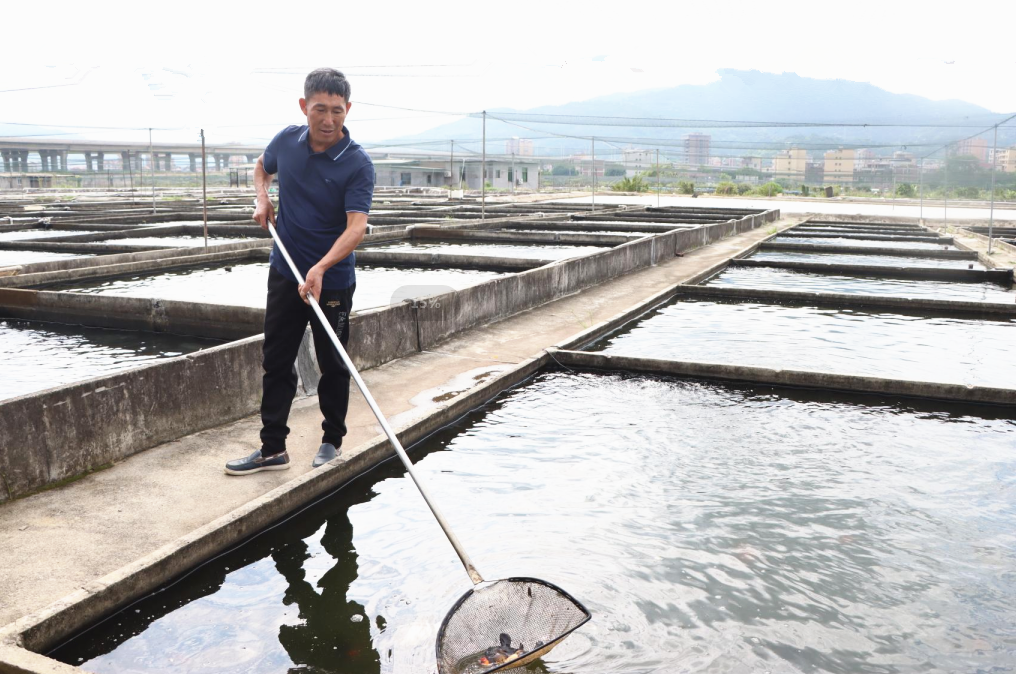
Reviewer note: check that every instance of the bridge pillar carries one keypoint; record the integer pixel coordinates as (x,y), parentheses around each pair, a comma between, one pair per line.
(169,161)
(58,161)
(43,160)
(7,160)
(88,162)
(137,162)
(251,159)
(98,159)
(218,162)
(193,162)
(125,160)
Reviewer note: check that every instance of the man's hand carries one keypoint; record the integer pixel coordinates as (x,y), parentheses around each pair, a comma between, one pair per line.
(312,284)
(264,212)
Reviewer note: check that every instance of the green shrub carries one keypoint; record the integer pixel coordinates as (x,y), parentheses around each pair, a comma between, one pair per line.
(685,187)
(636,183)
(726,188)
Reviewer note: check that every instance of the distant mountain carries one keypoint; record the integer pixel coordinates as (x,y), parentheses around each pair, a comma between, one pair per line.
(750,96)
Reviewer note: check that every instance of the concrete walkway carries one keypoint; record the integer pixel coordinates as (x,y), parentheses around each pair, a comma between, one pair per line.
(56,541)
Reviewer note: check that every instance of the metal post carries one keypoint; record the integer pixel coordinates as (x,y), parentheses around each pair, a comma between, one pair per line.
(657,177)
(130,169)
(204,188)
(483,172)
(921,189)
(945,204)
(593,165)
(991,213)
(151,154)
(513,173)
(451,169)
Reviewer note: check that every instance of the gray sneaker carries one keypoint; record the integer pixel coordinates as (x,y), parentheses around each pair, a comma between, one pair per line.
(255,463)
(326,452)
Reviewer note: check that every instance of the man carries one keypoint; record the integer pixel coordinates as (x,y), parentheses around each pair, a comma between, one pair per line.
(326,183)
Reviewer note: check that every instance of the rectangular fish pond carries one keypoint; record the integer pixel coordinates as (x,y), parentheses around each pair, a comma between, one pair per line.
(862,243)
(180,241)
(31,234)
(533,251)
(708,527)
(831,282)
(19,257)
(883,260)
(36,355)
(245,284)
(871,341)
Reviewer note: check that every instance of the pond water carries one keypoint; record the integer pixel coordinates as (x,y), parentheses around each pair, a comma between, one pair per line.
(245,284)
(14,257)
(708,528)
(881,260)
(787,279)
(29,234)
(529,251)
(37,355)
(863,243)
(847,341)
(183,241)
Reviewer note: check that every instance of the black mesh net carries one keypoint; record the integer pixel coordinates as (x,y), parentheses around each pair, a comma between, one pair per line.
(506,624)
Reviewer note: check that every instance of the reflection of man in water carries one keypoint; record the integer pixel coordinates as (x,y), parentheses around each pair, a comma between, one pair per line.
(327,640)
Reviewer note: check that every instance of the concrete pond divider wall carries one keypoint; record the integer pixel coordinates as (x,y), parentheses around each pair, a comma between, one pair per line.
(376,336)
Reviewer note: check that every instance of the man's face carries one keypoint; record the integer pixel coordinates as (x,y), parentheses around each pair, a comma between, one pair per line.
(326,113)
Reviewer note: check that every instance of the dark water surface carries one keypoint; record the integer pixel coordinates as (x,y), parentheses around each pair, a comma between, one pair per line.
(24,234)
(529,251)
(245,284)
(35,355)
(787,279)
(14,257)
(181,241)
(880,260)
(845,341)
(708,527)
(862,243)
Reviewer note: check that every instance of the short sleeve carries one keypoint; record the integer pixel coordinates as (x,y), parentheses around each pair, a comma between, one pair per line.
(271,154)
(360,190)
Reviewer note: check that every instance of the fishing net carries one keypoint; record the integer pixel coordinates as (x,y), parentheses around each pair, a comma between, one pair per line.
(506,624)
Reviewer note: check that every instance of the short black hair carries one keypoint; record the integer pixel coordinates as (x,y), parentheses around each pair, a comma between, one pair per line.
(326,81)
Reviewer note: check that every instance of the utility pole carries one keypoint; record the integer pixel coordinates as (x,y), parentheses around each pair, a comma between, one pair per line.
(593,164)
(451,169)
(994,162)
(130,170)
(513,172)
(946,202)
(657,177)
(204,188)
(483,172)
(151,154)
(921,189)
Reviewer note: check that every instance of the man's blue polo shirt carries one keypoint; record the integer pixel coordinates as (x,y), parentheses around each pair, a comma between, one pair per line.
(316,190)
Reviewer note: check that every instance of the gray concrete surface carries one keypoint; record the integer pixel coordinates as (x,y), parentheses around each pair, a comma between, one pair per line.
(1000,276)
(796,378)
(865,250)
(920,305)
(96,525)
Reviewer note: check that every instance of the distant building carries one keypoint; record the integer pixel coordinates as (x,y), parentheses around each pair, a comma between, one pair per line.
(411,172)
(587,166)
(814,172)
(696,149)
(1005,160)
(905,168)
(863,159)
(790,164)
(638,161)
(973,147)
(839,166)
(522,147)
(753,163)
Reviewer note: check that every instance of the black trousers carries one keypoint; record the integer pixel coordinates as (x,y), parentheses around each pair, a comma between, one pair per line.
(286,317)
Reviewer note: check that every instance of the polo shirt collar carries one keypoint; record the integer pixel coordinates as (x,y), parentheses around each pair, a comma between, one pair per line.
(335,151)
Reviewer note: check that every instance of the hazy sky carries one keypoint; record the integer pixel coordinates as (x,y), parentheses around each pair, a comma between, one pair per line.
(236,68)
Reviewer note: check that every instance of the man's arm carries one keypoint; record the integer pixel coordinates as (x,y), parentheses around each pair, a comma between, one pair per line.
(264,212)
(356,227)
